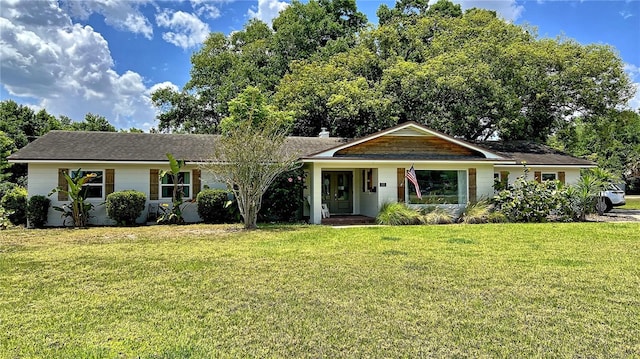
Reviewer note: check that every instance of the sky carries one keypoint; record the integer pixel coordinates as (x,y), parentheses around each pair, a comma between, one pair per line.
(106,57)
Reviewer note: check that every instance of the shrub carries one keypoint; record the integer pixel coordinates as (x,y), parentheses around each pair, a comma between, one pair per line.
(529,200)
(398,214)
(4,218)
(497,217)
(125,206)
(284,200)
(38,210)
(438,215)
(212,206)
(475,213)
(16,200)
(6,187)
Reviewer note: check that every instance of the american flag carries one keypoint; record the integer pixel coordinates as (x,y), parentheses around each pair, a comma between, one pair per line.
(411,176)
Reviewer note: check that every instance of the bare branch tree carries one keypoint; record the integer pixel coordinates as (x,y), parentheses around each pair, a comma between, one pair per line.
(251,153)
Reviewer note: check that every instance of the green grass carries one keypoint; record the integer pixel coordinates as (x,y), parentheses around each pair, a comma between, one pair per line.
(500,290)
(631,203)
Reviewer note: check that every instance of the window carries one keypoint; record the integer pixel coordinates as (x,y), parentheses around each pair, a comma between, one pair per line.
(549,176)
(440,187)
(94,187)
(496,176)
(184,184)
(367,181)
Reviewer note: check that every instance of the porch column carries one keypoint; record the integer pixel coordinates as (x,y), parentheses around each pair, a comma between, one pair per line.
(315,215)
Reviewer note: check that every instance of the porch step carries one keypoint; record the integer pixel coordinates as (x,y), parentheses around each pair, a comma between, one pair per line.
(348,220)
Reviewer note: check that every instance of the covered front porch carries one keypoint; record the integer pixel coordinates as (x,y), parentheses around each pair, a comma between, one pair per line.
(335,191)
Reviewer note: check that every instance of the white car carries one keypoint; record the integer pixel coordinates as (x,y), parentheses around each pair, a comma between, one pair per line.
(613,197)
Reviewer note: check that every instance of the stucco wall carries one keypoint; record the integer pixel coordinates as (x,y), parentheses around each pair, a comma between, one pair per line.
(572,175)
(44,177)
(386,182)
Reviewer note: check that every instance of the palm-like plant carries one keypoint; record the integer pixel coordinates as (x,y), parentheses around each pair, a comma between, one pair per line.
(174,215)
(586,192)
(78,209)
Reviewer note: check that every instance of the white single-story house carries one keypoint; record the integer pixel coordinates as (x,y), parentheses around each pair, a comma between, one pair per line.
(348,177)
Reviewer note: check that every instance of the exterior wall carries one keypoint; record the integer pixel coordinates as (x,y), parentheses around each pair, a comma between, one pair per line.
(368,199)
(572,174)
(386,182)
(44,177)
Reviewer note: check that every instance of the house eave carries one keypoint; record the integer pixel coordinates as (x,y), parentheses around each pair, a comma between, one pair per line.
(519,165)
(115,162)
(408,160)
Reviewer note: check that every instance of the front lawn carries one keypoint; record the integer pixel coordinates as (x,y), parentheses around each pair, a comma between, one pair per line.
(631,203)
(506,290)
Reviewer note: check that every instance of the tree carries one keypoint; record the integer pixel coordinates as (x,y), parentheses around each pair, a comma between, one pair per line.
(93,123)
(612,141)
(478,76)
(255,56)
(7,147)
(21,125)
(252,151)
(340,94)
(305,30)
(220,70)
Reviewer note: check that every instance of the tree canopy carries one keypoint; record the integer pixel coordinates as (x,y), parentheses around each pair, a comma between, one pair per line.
(470,74)
(20,125)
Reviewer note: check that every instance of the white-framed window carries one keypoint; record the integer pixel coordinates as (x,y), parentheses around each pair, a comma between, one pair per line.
(497,176)
(184,184)
(549,176)
(439,187)
(94,187)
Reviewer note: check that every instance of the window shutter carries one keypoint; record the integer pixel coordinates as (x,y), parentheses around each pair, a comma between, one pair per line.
(504,177)
(400,177)
(196,182)
(62,184)
(109,181)
(472,185)
(561,177)
(538,176)
(154,183)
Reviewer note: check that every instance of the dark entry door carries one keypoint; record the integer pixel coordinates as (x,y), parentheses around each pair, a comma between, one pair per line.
(337,191)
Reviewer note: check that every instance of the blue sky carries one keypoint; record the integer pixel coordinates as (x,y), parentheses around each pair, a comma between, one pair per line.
(107,56)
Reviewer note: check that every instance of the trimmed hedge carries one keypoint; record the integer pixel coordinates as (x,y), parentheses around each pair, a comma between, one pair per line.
(38,210)
(125,207)
(211,206)
(16,200)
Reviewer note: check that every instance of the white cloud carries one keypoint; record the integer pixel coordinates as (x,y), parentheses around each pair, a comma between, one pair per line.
(268,10)
(121,14)
(205,8)
(188,30)
(625,14)
(162,85)
(634,74)
(67,67)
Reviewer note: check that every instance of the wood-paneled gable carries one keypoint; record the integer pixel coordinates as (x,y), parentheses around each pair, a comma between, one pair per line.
(407,145)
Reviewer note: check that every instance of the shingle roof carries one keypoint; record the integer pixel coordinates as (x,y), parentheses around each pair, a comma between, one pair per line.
(534,153)
(139,147)
(60,146)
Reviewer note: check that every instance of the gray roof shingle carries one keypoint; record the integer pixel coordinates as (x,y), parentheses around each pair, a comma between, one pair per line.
(534,153)
(60,146)
(139,147)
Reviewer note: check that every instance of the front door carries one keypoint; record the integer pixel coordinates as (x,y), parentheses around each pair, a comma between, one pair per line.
(337,191)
